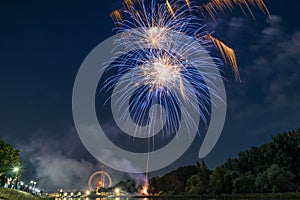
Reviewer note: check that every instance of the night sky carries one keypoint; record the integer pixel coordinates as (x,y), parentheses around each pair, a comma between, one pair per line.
(43,44)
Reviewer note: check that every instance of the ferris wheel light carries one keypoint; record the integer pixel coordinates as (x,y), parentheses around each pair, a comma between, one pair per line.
(99,179)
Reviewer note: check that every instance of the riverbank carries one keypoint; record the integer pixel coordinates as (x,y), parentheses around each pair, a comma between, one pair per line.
(10,194)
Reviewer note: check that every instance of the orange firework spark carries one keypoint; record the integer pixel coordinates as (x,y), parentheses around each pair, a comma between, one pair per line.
(227,53)
(116,15)
(129,2)
(170,8)
(145,190)
(214,6)
(188,3)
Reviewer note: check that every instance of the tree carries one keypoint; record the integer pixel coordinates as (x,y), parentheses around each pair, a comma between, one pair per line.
(173,182)
(286,152)
(9,158)
(280,179)
(262,183)
(130,186)
(275,179)
(195,185)
(272,167)
(221,181)
(199,183)
(244,183)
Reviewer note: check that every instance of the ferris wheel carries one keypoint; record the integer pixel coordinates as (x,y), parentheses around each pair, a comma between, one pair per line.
(99,179)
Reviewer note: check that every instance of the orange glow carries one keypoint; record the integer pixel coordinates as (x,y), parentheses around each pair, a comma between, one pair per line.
(188,3)
(214,6)
(99,184)
(170,8)
(227,53)
(116,15)
(145,190)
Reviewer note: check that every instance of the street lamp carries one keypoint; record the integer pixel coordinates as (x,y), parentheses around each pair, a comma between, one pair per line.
(16,169)
(31,185)
(33,190)
(117,191)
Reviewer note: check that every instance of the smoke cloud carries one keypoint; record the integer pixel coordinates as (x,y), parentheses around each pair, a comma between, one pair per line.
(59,160)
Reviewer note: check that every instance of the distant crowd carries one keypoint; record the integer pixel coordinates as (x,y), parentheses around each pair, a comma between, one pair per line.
(8,182)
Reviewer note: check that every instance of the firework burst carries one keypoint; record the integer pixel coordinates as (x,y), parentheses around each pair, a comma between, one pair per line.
(157,71)
(158,66)
(165,61)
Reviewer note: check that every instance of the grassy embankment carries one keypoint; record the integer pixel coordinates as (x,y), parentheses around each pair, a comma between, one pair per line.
(10,194)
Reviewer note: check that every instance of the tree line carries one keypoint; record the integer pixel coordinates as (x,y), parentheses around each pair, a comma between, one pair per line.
(271,168)
(9,158)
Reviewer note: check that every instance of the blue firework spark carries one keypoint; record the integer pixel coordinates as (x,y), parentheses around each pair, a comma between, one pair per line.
(164,69)
(160,67)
